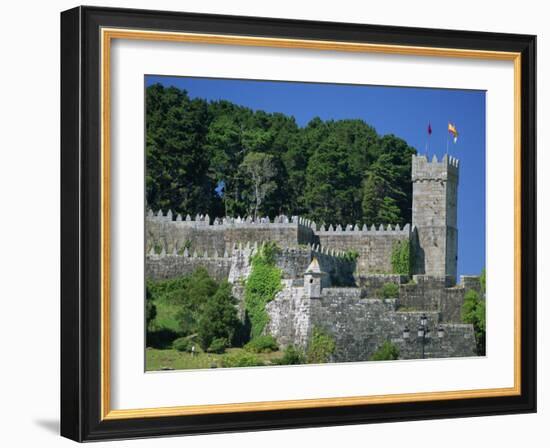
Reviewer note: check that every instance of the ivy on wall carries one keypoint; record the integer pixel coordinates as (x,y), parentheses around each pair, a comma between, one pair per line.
(401,258)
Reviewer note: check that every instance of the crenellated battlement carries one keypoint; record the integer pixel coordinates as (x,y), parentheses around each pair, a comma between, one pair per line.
(204,220)
(164,263)
(438,170)
(364,229)
(201,221)
(248,248)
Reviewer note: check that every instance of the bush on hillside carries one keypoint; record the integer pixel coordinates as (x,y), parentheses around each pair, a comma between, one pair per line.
(262,344)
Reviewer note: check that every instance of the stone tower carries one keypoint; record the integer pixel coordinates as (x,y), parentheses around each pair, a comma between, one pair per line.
(434,213)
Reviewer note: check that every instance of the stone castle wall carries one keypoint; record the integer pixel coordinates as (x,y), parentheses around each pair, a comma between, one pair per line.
(163,267)
(221,235)
(361,325)
(360,321)
(292,261)
(374,245)
(431,293)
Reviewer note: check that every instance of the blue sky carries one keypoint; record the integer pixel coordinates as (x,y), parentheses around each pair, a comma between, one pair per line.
(402,111)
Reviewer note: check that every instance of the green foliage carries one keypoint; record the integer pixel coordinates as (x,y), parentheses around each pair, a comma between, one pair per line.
(331,186)
(262,344)
(241,359)
(351,255)
(401,258)
(183,344)
(329,171)
(386,186)
(177,167)
(150,309)
(261,286)
(218,345)
(473,312)
(218,319)
(482,281)
(387,352)
(389,291)
(321,347)
(169,358)
(292,356)
(261,170)
(192,305)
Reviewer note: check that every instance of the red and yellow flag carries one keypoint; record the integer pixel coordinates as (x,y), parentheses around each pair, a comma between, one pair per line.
(453,131)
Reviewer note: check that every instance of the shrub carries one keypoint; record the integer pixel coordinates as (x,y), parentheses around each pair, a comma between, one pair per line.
(262,344)
(241,359)
(321,347)
(183,344)
(387,352)
(292,356)
(389,291)
(218,345)
(351,255)
(261,286)
(473,312)
(188,305)
(179,301)
(482,281)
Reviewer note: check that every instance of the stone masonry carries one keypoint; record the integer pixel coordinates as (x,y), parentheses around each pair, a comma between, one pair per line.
(434,215)
(325,284)
(361,322)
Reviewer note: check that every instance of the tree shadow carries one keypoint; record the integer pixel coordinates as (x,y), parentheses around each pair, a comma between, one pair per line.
(161,338)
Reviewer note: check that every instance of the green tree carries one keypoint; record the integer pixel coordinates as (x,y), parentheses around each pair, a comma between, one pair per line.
(329,194)
(224,144)
(337,172)
(261,170)
(381,194)
(177,167)
(218,319)
(191,299)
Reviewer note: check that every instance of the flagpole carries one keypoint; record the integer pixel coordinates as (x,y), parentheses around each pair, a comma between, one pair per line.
(428,138)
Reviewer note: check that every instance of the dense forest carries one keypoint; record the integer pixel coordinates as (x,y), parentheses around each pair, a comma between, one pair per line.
(228,160)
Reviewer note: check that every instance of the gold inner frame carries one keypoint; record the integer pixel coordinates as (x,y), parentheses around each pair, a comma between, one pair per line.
(107,35)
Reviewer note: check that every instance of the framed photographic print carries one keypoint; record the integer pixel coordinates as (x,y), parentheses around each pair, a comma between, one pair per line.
(275,224)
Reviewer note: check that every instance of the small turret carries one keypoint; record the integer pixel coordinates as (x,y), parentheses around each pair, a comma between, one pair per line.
(312,280)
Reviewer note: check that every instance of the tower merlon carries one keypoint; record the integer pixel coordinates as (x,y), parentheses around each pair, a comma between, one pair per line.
(423,169)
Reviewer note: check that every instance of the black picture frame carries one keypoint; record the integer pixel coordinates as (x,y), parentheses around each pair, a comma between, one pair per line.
(81,224)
